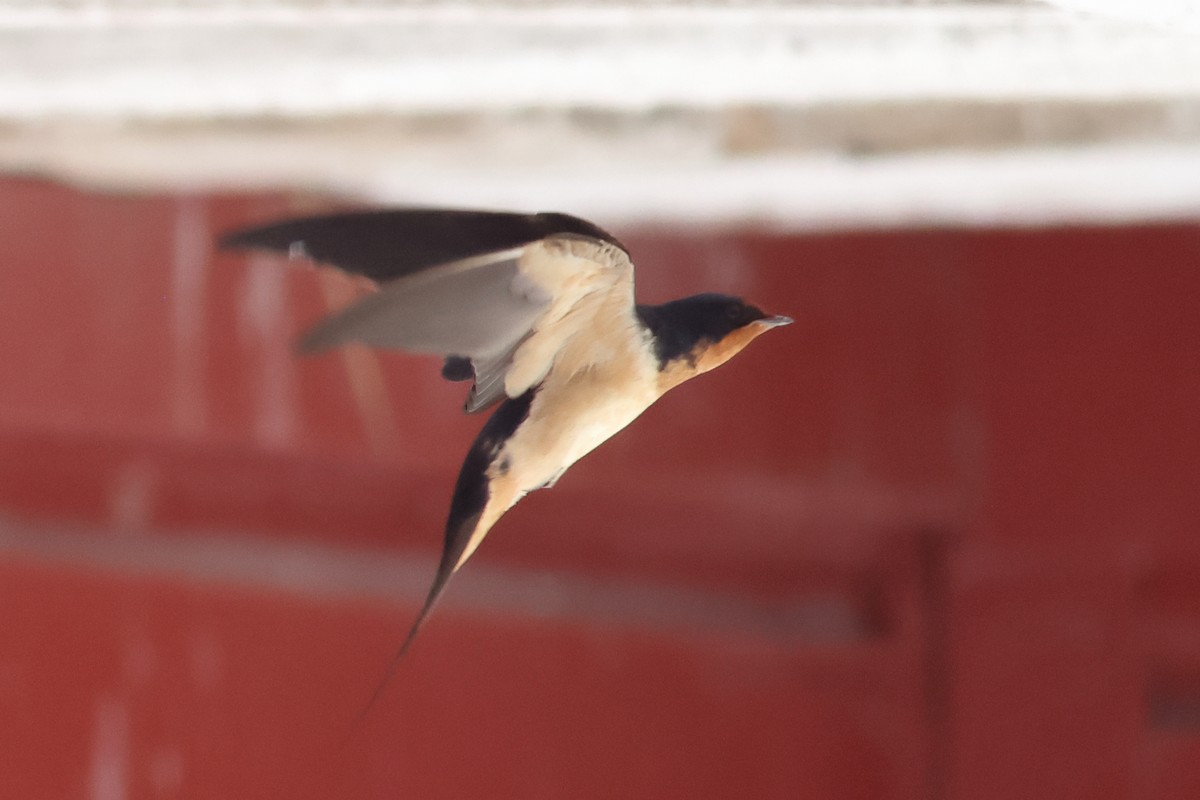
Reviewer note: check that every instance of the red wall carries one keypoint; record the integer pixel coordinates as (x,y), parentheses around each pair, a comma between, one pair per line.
(938,539)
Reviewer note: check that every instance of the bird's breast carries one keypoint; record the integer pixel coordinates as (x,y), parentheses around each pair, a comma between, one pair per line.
(574,414)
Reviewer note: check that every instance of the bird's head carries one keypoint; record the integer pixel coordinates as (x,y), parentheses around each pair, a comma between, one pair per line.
(702,332)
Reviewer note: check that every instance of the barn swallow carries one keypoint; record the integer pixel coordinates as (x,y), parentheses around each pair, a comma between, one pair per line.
(538,311)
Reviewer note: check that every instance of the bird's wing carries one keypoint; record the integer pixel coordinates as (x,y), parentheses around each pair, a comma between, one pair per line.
(495,288)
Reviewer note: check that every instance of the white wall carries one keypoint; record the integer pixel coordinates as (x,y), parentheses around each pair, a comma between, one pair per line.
(796,114)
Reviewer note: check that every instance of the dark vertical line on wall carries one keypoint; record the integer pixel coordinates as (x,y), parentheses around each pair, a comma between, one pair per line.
(933,549)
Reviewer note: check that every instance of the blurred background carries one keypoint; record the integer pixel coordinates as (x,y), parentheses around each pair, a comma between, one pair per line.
(938,539)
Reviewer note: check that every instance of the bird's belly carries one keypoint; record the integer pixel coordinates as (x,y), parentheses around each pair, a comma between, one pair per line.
(593,430)
(565,424)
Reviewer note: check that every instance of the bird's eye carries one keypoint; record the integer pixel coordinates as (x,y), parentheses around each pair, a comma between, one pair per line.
(734,311)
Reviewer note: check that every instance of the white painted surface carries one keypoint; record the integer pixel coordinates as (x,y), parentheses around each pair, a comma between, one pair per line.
(1178,16)
(667,110)
(1027,187)
(293,59)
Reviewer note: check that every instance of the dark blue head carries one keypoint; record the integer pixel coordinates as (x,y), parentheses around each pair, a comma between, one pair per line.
(704,330)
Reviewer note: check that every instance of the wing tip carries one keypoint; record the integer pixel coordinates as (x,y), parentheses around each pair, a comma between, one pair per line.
(242,238)
(457,368)
(233,240)
(275,238)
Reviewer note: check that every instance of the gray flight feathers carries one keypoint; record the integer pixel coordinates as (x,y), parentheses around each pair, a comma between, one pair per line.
(480,309)
(451,282)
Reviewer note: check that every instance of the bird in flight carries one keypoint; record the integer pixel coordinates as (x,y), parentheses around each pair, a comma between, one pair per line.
(538,312)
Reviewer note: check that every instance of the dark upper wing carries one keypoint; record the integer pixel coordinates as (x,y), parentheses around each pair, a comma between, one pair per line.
(383,245)
(471,496)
